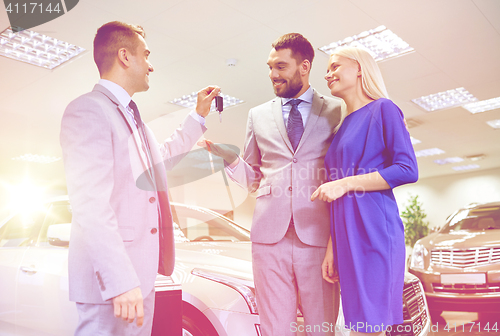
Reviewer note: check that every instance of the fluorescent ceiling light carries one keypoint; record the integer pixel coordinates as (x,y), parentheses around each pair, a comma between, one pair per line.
(483,105)
(428,152)
(37,49)
(476,157)
(448,160)
(380,42)
(445,99)
(414,141)
(467,167)
(36,158)
(494,123)
(189,101)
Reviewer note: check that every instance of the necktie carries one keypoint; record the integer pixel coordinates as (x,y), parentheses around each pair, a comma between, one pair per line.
(137,115)
(166,229)
(142,133)
(294,127)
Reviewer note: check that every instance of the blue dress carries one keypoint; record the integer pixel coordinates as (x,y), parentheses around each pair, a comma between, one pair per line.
(367,232)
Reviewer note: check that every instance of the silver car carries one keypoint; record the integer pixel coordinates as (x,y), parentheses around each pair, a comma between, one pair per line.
(213,268)
(459,265)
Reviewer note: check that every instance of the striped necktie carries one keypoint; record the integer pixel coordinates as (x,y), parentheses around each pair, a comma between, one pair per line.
(294,127)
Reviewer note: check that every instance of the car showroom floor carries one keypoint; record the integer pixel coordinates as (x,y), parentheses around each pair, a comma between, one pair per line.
(463,323)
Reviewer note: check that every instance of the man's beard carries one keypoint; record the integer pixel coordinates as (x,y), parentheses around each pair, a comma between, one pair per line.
(292,87)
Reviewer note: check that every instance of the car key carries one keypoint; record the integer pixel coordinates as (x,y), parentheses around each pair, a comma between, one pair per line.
(219,106)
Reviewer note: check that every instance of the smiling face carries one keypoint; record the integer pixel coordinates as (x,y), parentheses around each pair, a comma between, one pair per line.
(140,67)
(287,76)
(343,76)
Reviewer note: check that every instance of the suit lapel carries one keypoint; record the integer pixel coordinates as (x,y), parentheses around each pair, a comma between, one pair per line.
(280,123)
(158,168)
(316,109)
(133,129)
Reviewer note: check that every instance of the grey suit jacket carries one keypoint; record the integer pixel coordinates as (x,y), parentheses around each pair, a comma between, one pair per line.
(283,180)
(114,244)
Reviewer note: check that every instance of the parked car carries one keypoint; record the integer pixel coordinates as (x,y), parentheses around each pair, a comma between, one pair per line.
(213,266)
(459,265)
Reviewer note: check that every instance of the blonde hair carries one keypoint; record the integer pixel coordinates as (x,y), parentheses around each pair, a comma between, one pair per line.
(372,82)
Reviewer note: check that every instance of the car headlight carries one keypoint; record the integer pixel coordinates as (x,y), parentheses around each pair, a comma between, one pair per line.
(417,256)
(245,290)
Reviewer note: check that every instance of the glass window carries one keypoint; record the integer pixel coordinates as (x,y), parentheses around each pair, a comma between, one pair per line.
(486,218)
(198,225)
(59,213)
(21,230)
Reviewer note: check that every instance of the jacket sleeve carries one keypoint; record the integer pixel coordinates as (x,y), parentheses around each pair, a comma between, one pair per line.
(247,173)
(181,141)
(401,165)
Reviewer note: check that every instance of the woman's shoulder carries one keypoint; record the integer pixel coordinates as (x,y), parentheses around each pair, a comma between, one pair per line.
(384,106)
(385,102)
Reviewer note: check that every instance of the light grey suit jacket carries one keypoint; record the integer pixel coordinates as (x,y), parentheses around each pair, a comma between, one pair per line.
(283,180)
(114,243)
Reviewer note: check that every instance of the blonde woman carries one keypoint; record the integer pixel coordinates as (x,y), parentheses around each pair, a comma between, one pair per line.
(370,155)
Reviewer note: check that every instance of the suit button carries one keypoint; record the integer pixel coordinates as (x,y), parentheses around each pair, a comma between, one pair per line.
(290,188)
(152,200)
(295,160)
(154,230)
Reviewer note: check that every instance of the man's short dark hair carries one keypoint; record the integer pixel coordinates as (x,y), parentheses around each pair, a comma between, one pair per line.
(110,38)
(301,48)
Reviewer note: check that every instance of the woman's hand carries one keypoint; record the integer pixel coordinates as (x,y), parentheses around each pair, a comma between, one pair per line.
(327,268)
(330,191)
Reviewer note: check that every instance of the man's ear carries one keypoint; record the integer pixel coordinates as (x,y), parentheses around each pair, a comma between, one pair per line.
(123,57)
(305,67)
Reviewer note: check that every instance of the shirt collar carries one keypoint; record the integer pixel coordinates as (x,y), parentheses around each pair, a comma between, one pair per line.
(119,92)
(306,96)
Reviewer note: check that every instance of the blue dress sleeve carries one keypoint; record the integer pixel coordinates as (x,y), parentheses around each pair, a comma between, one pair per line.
(401,164)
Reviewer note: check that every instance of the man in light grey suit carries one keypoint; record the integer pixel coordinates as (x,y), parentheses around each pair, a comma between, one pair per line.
(121,235)
(283,163)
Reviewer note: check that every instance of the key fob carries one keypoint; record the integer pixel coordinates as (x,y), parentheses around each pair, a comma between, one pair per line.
(219,103)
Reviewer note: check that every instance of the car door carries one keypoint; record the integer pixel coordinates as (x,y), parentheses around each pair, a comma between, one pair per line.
(17,234)
(43,306)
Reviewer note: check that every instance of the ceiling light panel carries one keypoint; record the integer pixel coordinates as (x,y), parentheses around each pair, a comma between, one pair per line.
(380,42)
(483,105)
(445,99)
(189,101)
(37,49)
(494,123)
(36,158)
(467,167)
(428,152)
(448,160)
(414,141)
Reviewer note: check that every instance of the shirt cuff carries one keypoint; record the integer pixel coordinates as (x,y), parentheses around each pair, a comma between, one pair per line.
(197,117)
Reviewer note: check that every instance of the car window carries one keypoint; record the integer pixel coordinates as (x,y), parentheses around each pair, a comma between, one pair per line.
(198,225)
(21,230)
(58,213)
(477,219)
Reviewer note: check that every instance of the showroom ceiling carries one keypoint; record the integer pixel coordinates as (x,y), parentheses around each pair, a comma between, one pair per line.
(456,42)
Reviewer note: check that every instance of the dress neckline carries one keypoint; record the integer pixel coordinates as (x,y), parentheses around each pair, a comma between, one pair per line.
(362,107)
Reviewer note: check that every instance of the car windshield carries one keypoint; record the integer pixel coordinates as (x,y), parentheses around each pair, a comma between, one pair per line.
(477,219)
(196,224)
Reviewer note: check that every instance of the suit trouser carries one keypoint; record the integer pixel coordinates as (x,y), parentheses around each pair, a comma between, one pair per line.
(99,320)
(283,272)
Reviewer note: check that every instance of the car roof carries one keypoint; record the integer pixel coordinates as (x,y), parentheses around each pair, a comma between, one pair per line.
(482,205)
